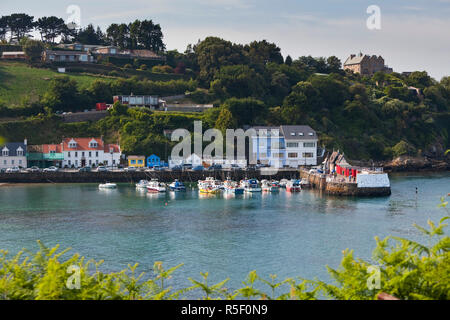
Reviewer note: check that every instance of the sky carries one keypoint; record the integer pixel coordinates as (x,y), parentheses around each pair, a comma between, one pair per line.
(414,34)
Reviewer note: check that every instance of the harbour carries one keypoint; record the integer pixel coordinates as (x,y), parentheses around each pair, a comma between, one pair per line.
(284,233)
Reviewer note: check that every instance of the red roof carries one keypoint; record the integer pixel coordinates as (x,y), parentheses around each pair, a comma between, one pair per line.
(115,147)
(47,148)
(83,144)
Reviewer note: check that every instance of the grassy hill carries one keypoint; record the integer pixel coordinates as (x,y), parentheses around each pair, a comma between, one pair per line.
(18,80)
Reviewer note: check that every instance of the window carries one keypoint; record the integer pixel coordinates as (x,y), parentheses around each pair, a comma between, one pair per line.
(70,163)
(20,153)
(52,152)
(68,154)
(82,154)
(72,144)
(96,154)
(293,134)
(106,162)
(90,162)
(301,134)
(311,134)
(76,154)
(90,154)
(12,161)
(308,155)
(133,162)
(309,144)
(293,155)
(93,145)
(5,153)
(20,161)
(140,162)
(5,162)
(292,144)
(114,161)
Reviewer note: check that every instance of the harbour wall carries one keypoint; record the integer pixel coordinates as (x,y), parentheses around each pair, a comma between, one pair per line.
(133,177)
(319,181)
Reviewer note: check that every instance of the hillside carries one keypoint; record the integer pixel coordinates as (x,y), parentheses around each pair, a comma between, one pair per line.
(19,82)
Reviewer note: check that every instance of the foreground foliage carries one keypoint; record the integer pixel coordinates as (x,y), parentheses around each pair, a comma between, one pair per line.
(408,270)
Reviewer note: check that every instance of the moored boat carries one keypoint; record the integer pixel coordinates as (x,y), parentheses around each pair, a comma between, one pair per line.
(142,185)
(283,183)
(210,185)
(293,186)
(177,186)
(107,185)
(251,185)
(155,186)
(232,187)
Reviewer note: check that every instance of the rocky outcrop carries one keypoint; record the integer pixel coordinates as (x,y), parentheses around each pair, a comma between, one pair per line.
(407,163)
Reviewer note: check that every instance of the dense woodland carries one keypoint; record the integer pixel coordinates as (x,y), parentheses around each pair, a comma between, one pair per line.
(376,117)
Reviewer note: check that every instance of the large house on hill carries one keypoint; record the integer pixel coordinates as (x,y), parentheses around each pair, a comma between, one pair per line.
(366,65)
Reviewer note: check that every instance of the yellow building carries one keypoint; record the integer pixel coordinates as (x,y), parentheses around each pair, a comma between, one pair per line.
(136,161)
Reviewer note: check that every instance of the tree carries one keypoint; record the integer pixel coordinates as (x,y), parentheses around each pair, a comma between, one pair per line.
(334,64)
(20,24)
(419,79)
(50,28)
(3,27)
(263,52)
(62,94)
(225,121)
(288,60)
(246,111)
(238,81)
(33,49)
(150,36)
(90,35)
(214,53)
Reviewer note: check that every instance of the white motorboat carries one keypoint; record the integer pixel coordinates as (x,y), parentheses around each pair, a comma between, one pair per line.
(142,185)
(155,186)
(251,185)
(108,186)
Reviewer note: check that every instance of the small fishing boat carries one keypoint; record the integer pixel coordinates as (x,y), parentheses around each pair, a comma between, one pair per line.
(155,186)
(268,186)
(177,186)
(142,185)
(293,186)
(210,185)
(107,186)
(305,183)
(232,187)
(283,183)
(251,185)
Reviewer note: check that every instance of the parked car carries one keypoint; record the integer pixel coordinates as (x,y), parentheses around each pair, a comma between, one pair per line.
(33,169)
(13,170)
(130,169)
(51,169)
(177,168)
(198,168)
(2,170)
(102,169)
(85,169)
(158,168)
(187,166)
(235,167)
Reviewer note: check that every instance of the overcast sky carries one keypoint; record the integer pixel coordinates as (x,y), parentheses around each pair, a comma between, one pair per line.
(414,35)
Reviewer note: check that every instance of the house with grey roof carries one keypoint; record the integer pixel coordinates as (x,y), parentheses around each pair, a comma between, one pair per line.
(365,64)
(285,146)
(13,154)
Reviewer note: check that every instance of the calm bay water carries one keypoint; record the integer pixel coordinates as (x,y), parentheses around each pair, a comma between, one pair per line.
(285,234)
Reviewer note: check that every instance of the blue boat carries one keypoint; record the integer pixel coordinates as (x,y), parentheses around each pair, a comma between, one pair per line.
(177,186)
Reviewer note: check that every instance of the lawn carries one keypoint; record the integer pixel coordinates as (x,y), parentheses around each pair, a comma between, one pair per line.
(19,82)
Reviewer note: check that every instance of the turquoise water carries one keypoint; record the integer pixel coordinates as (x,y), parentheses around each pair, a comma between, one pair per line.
(285,234)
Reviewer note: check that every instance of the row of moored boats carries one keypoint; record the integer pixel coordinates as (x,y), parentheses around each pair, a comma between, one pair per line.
(214,186)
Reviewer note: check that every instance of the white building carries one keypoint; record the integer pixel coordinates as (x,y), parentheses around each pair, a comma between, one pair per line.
(285,146)
(13,154)
(81,152)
